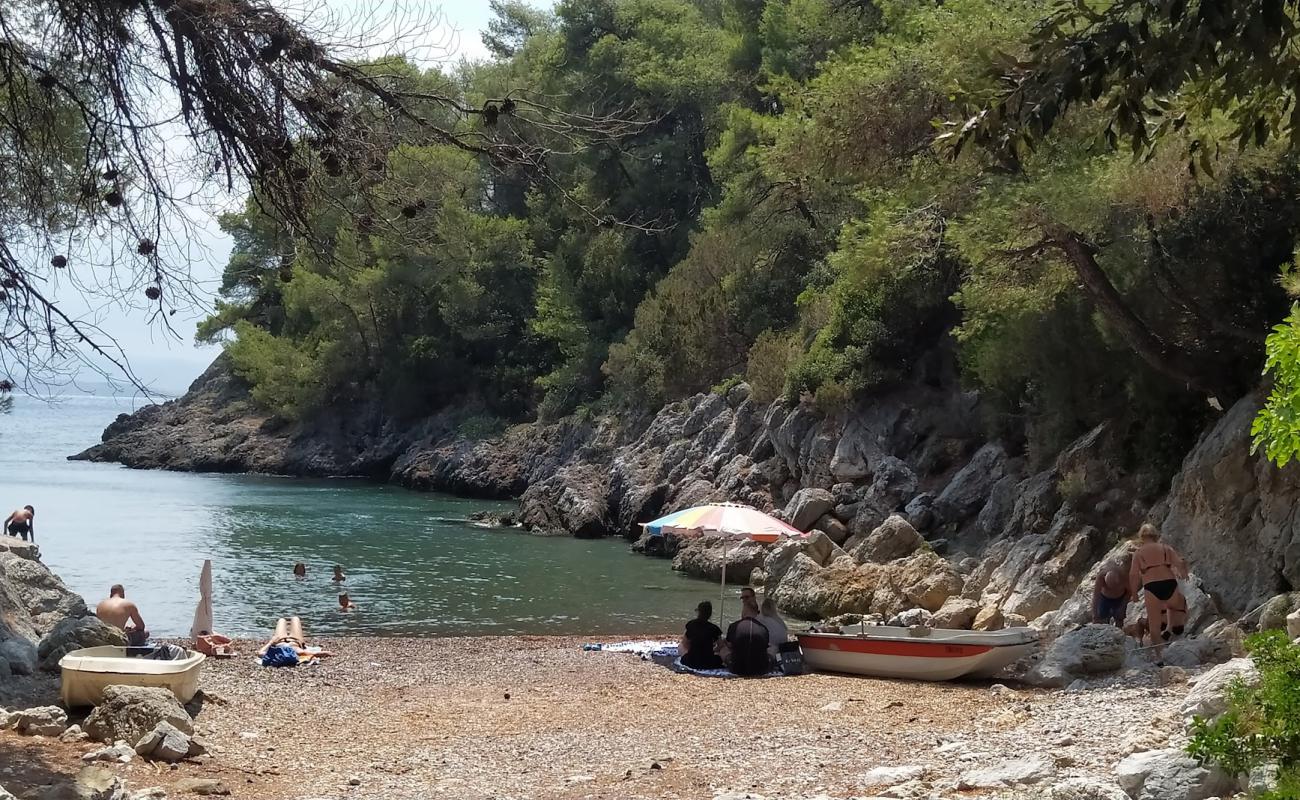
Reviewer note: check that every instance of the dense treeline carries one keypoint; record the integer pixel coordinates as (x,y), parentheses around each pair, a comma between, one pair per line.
(781,213)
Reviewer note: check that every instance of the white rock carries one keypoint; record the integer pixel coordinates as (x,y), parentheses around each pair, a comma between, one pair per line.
(834,705)
(121,752)
(73,734)
(1208,699)
(1086,789)
(1010,773)
(1171,775)
(1293,624)
(41,721)
(888,776)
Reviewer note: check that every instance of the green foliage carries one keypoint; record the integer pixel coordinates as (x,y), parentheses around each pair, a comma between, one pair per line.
(1262,723)
(1277,426)
(781,213)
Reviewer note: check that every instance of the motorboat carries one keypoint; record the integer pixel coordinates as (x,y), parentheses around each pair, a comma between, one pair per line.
(918,653)
(87,672)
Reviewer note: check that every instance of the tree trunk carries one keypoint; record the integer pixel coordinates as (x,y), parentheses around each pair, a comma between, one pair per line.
(1167,359)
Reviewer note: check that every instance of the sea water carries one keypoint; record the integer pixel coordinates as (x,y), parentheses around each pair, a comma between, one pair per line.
(414,563)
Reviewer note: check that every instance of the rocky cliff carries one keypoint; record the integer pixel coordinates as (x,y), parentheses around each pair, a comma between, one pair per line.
(916,508)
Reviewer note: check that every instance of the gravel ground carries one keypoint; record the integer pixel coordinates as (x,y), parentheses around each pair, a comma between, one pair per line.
(534,717)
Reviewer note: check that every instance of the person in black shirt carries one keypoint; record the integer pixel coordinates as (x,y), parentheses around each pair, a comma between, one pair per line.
(699,640)
(747,640)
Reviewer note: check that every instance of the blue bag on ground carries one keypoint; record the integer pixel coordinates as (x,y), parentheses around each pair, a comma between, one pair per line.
(280,655)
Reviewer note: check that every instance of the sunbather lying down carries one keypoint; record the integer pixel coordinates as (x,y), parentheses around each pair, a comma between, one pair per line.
(287,647)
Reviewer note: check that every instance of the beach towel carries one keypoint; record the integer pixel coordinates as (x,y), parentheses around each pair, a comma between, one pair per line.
(640,647)
(678,666)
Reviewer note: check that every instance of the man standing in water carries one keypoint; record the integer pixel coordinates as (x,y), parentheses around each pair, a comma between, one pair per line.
(22,523)
(117,611)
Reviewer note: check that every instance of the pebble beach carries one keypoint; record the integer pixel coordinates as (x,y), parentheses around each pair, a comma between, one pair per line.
(539,717)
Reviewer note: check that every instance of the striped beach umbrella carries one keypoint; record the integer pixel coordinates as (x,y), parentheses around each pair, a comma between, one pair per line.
(724,519)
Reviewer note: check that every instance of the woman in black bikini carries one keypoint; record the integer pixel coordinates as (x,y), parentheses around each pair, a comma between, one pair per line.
(1156,570)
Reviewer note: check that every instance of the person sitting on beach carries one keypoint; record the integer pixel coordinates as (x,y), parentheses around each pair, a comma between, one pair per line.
(300,570)
(346,604)
(698,644)
(747,640)
(1110,596)
(119,612)
(287,647)
(777,631)
(1155,573)
(339,577)
(22,523)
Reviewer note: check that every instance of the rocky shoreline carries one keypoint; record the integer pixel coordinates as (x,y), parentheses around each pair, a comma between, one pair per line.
(969,519)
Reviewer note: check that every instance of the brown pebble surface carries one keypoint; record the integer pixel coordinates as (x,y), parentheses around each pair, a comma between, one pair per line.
(415,718)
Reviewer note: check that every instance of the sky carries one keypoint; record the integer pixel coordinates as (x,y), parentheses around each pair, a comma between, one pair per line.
(167,363)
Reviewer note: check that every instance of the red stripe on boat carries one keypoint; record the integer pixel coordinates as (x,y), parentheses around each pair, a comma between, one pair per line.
(888,647)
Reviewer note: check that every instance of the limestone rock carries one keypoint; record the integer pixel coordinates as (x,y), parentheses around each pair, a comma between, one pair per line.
(119,752)
(704,557)
(1293,624)
(1020,772)
(40,721)
(166,743)
(807,506)
(888,776)
(970,488)
(97,783)
(1208,697)
(956,613)
(1089,650)
(1239,550)
(988,618)
(1014,621)
(1171,775)
(893,539)
(835,530)
(201,786)
(1273,616)
(130,712)
(75,633)
(73,735)
(1086,789)
(21,655)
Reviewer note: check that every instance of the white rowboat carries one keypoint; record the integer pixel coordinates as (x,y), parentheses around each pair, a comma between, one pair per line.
(926,655)
(87,672)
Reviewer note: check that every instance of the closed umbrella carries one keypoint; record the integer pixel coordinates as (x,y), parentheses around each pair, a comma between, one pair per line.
(203,614)
(726,519)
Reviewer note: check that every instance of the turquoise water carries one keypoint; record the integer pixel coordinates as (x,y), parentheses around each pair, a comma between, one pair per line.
(413,564)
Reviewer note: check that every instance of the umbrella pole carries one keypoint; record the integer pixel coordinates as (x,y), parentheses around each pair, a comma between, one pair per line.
(722,591)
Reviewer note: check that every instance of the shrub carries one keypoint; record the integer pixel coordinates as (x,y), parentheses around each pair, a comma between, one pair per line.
(770,359)
(1262,724)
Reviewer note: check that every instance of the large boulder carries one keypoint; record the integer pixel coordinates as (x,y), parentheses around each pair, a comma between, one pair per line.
(970,488)
(1208,698)
(835,530)
(1272,617)
(1089,650)
(1171,775)
(21,655)
(895,538)
(32,599)
(130,712)
(75,633)
(807,506)
(956,613)
(705,556)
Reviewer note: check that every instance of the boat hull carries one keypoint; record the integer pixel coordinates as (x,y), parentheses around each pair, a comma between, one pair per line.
(86,673)
(894,653)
